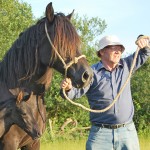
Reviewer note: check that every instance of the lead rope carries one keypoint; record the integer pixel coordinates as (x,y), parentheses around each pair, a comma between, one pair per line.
(121,90)
(66,66)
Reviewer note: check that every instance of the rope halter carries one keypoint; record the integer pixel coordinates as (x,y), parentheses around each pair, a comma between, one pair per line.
(66,66)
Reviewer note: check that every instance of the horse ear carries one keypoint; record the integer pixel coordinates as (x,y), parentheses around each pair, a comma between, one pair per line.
(15,91)
(49,13)
(70,15)
(20,97)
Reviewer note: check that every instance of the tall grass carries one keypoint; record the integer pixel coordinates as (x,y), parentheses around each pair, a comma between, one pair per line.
(80,145)
(64,145)
(145,143)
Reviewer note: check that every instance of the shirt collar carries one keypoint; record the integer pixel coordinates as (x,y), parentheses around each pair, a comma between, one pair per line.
(101,66)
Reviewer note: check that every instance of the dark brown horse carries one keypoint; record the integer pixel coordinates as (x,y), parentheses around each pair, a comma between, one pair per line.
(17,111)
(17,135)
(51,43)
(17,138)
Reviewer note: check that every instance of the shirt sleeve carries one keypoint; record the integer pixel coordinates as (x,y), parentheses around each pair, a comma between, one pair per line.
(143,55)
(75,93)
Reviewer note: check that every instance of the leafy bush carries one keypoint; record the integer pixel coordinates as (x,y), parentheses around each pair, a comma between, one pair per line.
(141,96)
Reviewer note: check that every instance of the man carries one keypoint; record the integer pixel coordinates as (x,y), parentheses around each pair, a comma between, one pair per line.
(113,129)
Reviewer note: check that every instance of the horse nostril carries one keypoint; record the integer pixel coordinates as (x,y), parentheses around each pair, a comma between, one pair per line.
(85,76)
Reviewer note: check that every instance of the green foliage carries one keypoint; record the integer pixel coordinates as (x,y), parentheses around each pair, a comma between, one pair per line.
(141,96)
(58,109)
(15,18)
(89,30)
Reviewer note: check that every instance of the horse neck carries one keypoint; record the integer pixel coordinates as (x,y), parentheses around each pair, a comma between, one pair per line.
(42,78)
(46,78)
(37,103)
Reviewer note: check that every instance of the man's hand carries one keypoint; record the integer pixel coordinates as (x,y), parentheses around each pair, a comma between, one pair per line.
(143,41)
(66,84)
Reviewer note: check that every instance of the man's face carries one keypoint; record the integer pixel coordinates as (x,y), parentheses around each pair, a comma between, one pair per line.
(112,54)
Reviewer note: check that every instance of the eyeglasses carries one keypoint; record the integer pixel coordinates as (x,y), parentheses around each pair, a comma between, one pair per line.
(114,48)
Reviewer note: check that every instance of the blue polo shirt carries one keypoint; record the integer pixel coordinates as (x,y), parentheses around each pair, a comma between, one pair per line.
(104,88)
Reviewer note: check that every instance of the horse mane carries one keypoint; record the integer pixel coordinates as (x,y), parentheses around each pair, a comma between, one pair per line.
(21,61)
(46,78)
(7,103)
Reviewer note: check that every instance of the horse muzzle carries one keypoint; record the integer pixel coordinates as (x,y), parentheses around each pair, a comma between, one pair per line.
(83,80)
(36,135)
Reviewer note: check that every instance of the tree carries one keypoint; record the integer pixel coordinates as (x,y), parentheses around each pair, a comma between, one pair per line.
(15,18)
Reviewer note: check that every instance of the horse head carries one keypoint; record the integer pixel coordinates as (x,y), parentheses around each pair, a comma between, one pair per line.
(52,42)
(60,48)
(23,115)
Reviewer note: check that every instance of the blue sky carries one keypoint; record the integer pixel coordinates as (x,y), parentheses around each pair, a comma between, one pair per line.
(125,18)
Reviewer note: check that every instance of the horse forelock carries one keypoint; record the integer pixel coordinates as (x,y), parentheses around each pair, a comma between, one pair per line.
(66,39)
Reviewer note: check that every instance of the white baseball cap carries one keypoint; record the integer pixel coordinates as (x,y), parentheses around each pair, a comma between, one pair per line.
(109,40)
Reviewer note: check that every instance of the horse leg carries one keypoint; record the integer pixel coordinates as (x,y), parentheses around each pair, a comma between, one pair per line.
(35,145)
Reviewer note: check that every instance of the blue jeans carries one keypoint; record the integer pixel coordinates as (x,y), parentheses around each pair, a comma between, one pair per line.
(123,138)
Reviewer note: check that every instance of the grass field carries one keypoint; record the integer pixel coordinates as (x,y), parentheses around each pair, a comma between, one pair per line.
(80,145)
